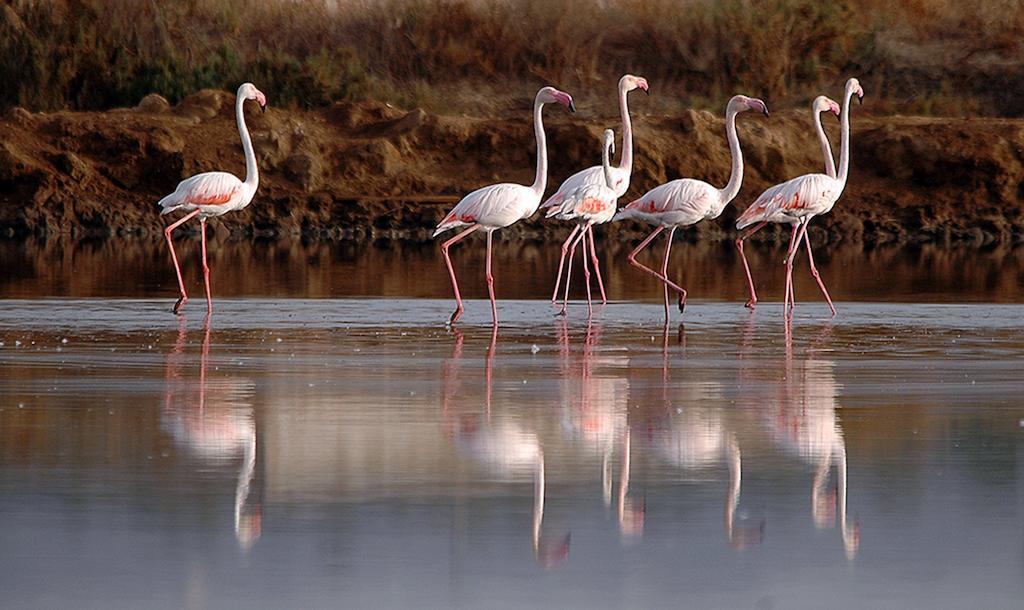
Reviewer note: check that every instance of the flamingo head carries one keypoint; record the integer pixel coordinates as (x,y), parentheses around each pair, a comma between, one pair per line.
(853,88)
(609,140)
(550,95)
(629,82)
(825,104)
(250,92)
(742,103)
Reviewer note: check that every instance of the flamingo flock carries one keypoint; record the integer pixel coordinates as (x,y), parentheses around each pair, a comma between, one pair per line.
(587,198)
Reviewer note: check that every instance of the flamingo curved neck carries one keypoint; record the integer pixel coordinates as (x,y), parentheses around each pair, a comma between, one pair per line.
(609,180)
(252,172)
(826,148)
(844,142)
(626,161)
(540,182)
(729,192)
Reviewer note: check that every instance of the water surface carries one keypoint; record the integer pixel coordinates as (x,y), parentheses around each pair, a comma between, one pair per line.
(355,452)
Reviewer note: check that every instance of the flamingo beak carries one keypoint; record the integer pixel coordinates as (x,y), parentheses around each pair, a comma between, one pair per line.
(572,106)
(643,85)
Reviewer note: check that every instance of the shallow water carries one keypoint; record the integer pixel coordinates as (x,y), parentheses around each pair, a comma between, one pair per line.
(355,452)
(293,268)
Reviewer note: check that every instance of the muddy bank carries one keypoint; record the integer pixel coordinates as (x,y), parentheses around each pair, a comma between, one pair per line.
(370,170)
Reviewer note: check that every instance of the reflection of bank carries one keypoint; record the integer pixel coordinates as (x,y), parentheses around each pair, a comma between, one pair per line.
(213,420)
(502,445)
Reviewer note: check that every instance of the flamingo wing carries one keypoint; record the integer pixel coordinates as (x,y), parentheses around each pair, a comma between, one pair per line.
(591,175)
(796,198)
(208,190)
(494,206)
(594,203)
(684,201)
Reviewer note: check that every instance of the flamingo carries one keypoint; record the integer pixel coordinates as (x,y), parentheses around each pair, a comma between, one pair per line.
(686,201)
(819,105)
(500,205)
(589,205)
(214,193)
(805,197)
(595,175)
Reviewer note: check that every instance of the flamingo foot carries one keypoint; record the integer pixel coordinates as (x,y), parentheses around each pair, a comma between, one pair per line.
(180,303)
(751,304)
(682,303)
(562,313)
(455,315)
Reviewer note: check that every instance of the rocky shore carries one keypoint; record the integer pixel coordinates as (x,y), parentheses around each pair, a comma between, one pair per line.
(364,171)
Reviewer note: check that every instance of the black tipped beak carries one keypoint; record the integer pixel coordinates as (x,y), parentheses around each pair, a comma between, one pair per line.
(263,108)
(572,107)
(860,99)
(646,92)
(765,112)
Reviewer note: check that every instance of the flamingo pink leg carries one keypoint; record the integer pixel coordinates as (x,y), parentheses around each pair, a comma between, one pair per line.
(794,243)
(750,280)
(597,268)
(817,277)
(561,261)
(451,271)
(644,268)
(586,277)
(490,281)
(174,257)
(568,272)
(206,267)
(664,273)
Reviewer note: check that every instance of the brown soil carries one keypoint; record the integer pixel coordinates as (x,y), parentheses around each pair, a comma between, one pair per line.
(371,170)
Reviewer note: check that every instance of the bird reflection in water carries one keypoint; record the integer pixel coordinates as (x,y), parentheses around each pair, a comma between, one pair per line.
(501,444)
(694,437)
(594,416)
(802,421)
(214,422)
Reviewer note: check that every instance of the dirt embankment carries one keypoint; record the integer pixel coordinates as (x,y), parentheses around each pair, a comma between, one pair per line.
(369,170)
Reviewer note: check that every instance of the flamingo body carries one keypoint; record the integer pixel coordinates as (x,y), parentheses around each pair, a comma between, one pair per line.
(678,203)
(492,207)
(212,193)
(592,204)
(592,176)
(793,200)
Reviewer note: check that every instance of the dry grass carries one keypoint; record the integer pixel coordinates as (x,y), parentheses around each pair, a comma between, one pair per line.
(926,56)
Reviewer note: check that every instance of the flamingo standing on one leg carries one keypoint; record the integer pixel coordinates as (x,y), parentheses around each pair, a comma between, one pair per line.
(500,205)
(589,205)
(595,175)
(686,201)
(214,193)
(805,197)
(819,105)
